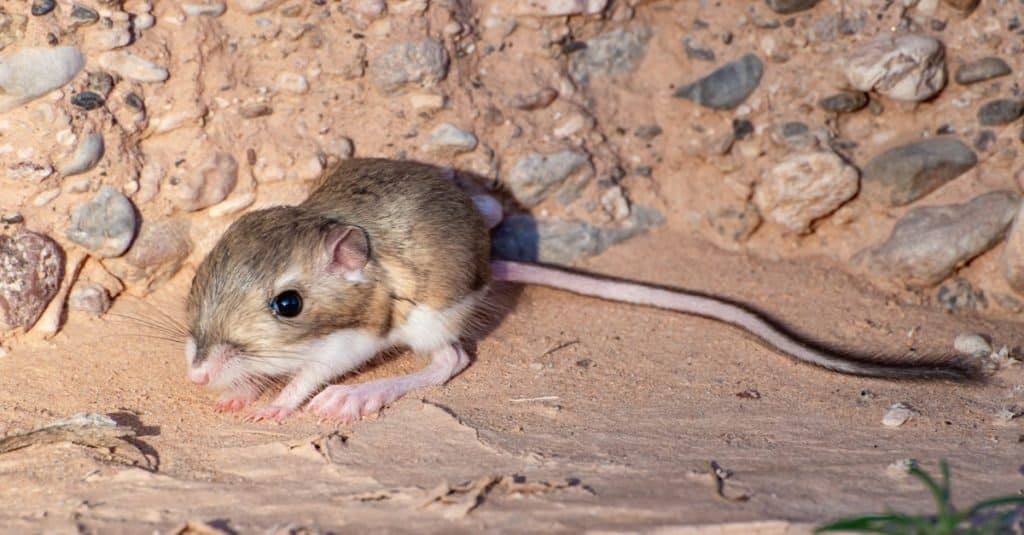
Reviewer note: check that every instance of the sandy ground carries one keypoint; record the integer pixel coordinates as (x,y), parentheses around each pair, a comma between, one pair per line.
(608,415)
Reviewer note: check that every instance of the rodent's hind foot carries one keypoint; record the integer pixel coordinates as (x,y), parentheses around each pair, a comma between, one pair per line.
(234,400)
(274,413)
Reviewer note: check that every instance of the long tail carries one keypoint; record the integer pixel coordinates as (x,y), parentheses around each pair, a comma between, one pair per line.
(690,303)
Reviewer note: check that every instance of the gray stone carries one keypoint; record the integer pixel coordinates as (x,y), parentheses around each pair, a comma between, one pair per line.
(910,67)
(87,154)
(786,7)
(695,51)
(413,62)
(105,225)
(981,70)
(1011,262)
(959,295)
(449,140)
(208,185)
(727,86)
(89,297)
(128,65)
(929,243)
(31,269)
(31,73)
(618,51)
(157,254)
(903,174)
(1000,111)
(972,344)
(647,131)
(522,237)
(534,176)
(844,102)
(534,101)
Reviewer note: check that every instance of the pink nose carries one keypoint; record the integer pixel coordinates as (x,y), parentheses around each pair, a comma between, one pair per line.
(199,376)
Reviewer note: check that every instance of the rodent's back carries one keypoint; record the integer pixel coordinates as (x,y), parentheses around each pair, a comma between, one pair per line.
(425,231)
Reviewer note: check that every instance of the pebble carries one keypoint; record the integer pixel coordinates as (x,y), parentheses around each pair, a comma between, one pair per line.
(44,197)
(1011,262)
(89,297)
(522,237)
(972,344)
(786,7)
(413,62)
(157,254)
(132,67)
(735,224)
(647,131)
(909,67)
(963,5)
(697,52)
(804,188)
(903,174)
(428,102)
(533,177)
(897,414)
(449,140)
(539,99)
(1000,111)
(844,102)
(12,218)
(31,73)
(42,7)
(551,8)
(256,6)
(727,86)
(87,154)
(615,203)
(208,185)
(31,269)
(134,101)
(253,110)
(214,9)
(232,205)
(618,51)
(959,295)
(87,100)
(99,82)
(116,37)
(292,83)
(105,225)
(928,243)
(84,15)
(981,70)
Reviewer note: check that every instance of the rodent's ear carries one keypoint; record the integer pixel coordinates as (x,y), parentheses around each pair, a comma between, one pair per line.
(347,250)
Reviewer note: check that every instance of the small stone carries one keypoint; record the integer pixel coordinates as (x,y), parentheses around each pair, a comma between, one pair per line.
(647,131)
(31,269)
(727,86)
(448,139)
(42,7)
(929,243)
(253,110)
(984,140)
(804,188)
(134,101)
(87,100)
(793,129)
(31,73)
(340,147)
(615,203)
(981,70)
(12,218)
(521,237)
(844,102)
(903,174)
(99,82)
(534,176)
(128,65)
(1011,262)
(214,9)
(897,415)
(292,83)
(735,224)
(534,101)
(423,63)
(695,51)
(958,295)
(615,52)
(786,7)
(909,67)
(89,297)
(157,254)
(900,468)
(963,5)
(972,344)
(742,128)
(87,155)
(210,184)
(256,6)
(1000,111)
(84,15)
(105,225)
(551,8)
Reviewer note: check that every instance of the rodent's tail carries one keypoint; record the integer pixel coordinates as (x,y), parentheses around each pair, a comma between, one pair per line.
(715,308)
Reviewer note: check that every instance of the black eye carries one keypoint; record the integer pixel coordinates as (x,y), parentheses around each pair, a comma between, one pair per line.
(287,304)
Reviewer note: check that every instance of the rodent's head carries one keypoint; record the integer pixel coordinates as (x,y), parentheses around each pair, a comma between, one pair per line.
(278,280)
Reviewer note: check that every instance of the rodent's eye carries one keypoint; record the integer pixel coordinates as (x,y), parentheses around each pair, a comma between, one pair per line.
(287,304)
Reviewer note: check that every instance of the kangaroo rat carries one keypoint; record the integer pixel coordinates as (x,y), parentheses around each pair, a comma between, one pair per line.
(383,254)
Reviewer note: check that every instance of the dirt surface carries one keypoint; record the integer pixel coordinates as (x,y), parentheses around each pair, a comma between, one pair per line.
(628,406)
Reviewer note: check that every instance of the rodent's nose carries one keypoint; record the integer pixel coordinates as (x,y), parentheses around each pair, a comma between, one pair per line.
(198,376)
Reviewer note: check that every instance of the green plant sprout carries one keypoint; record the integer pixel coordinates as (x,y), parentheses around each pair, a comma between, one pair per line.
(986,517)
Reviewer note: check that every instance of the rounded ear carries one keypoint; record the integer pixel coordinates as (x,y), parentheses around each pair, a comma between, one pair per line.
(347,250)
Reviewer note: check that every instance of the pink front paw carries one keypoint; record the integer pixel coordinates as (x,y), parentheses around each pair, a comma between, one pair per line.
(270,412)
(234,401)
(348,403)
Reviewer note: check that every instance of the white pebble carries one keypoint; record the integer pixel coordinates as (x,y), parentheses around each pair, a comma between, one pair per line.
(448,139)
(426,101)
(45,197)
(33,72)
(292,83)
(897,415)
(908,67)
(87,155)
(256,6)
(972,344)
(132,67)
(113,38)
(144,21)
(214,9)
(232,205)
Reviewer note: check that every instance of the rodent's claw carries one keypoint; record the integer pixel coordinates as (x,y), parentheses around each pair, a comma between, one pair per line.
(230,405)
(270,412)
